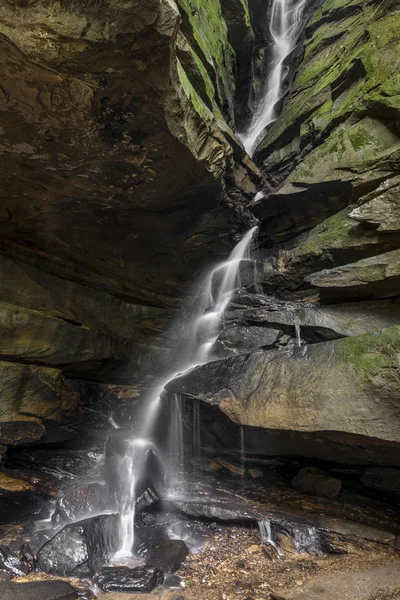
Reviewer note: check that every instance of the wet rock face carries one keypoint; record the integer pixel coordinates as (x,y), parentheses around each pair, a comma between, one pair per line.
(328,387)
(16,563)
(80,549)
(81,502)
(122,579)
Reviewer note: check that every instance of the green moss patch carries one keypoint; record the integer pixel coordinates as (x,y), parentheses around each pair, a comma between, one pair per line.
(371,353)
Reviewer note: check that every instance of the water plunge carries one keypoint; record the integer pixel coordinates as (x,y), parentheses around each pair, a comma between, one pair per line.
(284,26)
(213,297)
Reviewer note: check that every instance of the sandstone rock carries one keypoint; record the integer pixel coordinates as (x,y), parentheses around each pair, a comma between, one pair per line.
(45,590)
(311,480)
(80,549)
(382,479)
(241,340)
(383,208)
(319,323)
(126,131)
(375,277)
(23,285)
(339,386)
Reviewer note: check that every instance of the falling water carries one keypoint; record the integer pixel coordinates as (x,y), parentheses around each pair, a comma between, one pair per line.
(284,26)
(242,456)
(214,295)
(306,539)
(265,530)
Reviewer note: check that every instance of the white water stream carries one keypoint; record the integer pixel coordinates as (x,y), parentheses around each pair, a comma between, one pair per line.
(213,297)
(284,25)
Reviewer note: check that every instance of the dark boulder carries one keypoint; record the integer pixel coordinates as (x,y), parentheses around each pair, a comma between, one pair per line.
(81,502)
(313,481)
(147,537)
(80,549)
(37,590)
(123,579)
(168,555)
(16,563)
(382,479)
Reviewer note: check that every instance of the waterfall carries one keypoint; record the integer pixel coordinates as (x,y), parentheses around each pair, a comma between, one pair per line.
(242,456)
(213,297)
(196,433)
(284,26)
(175,442)
(265,530)
(298,331)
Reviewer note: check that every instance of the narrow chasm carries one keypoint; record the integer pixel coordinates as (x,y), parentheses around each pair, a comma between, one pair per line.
(200,300)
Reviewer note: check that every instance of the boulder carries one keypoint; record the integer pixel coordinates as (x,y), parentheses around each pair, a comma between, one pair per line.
(81,502)
(382,210)
(348,385)
(35,590)
(314,481)
(80,549)
(122,579)
(168,555)
(12,562)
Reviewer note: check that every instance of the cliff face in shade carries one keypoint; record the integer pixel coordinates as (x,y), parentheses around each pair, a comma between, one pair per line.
(335,153)
(116,116)
(318,371)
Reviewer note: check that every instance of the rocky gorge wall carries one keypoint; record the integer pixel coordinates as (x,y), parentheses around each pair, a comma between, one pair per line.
(329,258)
(123,178)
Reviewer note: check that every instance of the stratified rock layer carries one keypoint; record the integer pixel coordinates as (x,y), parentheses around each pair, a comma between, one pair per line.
(348,386)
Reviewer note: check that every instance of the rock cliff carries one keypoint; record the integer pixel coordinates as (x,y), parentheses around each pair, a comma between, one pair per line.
(123,178)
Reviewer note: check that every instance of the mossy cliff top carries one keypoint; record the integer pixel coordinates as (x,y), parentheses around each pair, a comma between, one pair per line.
(344,105)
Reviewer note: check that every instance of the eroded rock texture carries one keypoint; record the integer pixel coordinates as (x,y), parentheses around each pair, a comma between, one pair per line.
(122,178)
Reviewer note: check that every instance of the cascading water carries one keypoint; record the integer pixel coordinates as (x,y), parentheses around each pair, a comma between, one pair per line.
(285,25)
(265,530)
(214,295)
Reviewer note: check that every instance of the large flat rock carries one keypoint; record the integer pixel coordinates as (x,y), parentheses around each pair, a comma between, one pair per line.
(29,336)
(349,386)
